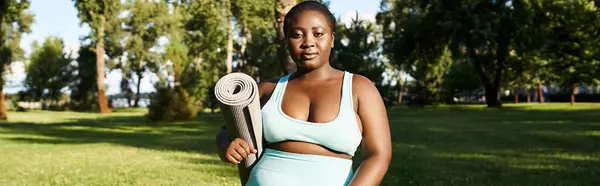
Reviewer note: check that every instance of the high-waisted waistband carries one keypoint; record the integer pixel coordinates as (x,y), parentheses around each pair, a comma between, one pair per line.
(285,168)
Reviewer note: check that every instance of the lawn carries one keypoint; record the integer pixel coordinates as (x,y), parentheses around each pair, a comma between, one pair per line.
(550,144)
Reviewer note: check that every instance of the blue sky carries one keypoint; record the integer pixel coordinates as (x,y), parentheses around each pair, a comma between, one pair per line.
(59,18)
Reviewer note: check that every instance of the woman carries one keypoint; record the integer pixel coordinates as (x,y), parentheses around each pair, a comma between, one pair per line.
(315,118)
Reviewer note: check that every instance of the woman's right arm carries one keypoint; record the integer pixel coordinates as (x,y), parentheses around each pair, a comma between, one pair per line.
(235,150)
(232,151)
(223,142)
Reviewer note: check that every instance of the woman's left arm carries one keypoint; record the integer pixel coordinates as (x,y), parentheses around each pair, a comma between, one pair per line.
(376,144)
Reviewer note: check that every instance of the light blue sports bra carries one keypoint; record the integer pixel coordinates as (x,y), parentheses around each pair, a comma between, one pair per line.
(342,134)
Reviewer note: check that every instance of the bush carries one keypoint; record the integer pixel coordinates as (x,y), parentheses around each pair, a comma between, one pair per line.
(171,105)
(556,97)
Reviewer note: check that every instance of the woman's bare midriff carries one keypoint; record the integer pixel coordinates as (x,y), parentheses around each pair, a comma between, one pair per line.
(306,148)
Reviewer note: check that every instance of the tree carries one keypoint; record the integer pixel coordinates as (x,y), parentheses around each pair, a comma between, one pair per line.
(460,81)
(205,37)
(356,50)
(573,48)
(484,31)
(100,15)
(146,22)
(229,17)
(415,42)
(251,17)
(84,80)
(282,7)
(173,103)
(47,72)
(14,21)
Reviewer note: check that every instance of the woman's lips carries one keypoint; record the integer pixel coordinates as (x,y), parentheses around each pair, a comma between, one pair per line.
(309,56)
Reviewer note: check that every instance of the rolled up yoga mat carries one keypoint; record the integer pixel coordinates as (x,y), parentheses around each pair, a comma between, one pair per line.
(239,101)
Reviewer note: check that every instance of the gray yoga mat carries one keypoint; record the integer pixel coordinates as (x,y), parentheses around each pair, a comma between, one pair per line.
(239,101)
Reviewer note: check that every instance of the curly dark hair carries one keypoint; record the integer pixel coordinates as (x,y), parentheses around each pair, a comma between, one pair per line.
(308,6)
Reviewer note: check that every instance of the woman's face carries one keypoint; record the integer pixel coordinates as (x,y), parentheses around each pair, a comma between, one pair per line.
(310,39)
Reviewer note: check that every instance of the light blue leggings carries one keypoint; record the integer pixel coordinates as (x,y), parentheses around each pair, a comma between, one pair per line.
(278,168)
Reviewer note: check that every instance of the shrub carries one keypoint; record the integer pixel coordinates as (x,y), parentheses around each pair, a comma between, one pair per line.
(171,104)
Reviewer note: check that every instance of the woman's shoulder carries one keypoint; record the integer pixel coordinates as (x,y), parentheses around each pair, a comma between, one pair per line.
(363,87)
(360,82)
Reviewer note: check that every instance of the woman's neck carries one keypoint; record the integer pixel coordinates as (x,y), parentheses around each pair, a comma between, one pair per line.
(322,73)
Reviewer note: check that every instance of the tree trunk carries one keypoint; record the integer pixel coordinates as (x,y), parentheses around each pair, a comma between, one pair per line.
(125,86)
(572,99)
(137,92)
(528,97)
(229,60)
(491,86)
(245,37)
(491,95)
(401,95)
(540,92)
(516,96)
(573,91)
(3,115)
(281,8)
(102,99)
(198,63)
(503,40)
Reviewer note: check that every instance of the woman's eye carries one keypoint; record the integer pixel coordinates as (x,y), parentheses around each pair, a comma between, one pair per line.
(318,34)
(296,35)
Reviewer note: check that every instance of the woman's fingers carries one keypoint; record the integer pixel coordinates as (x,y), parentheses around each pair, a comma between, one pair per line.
(237,156)
(231,159)
(246,147)
(242,152)
(239,150)
(249,150)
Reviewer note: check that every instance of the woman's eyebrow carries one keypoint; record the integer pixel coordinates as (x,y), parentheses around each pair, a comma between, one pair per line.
(317,27)
(302,28)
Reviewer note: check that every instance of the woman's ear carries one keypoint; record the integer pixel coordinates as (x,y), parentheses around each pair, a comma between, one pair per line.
(332,39)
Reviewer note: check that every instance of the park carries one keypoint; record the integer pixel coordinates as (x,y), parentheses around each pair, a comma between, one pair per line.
(491,92)
(454,145)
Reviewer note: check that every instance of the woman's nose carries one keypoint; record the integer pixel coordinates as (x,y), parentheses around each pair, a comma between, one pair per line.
(308,42)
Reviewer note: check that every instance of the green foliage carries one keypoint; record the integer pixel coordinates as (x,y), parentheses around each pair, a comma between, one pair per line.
(255,25)
(205,37)
(171,105)
(93,12)
(172,102)
(262,58)
(460,80)
(145,23)
(83,81)
(415,42)
(14,21)
(177,54)
(253,19)
(484,32)
(47,72)
(356,50)
(573,42)
(255,14)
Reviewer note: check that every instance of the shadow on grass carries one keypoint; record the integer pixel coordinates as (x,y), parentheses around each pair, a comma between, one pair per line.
(506,146)
(134,131)
(432,146)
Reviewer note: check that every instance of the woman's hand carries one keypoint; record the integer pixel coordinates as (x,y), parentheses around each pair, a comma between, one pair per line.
(237,151)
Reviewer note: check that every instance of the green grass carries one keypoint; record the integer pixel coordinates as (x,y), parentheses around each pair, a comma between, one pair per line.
(526,144)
